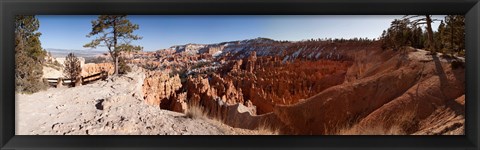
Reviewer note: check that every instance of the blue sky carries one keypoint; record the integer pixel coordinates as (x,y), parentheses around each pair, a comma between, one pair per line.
(159,32)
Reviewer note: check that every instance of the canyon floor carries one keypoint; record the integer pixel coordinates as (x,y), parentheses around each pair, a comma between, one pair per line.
(111,107)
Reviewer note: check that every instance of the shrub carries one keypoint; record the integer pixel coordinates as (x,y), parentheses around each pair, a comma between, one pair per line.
(457,64)
(181,71)
(200,64)
(72,67)
(56,63)
(53,64)
(195,112)
(151,67)
(123,67)
(461,53)
(30,85)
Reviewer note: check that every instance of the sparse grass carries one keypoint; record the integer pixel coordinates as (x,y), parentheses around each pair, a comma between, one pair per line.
(55,65)
(402,125)
(195,112)
(266,129)
(371,130)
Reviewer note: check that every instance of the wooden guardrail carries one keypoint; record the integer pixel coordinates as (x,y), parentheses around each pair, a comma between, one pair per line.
(58,82)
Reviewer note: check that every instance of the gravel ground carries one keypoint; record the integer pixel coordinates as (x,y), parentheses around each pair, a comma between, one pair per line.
(111,107)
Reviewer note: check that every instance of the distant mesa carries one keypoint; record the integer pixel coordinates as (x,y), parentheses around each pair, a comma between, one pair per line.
(79,53)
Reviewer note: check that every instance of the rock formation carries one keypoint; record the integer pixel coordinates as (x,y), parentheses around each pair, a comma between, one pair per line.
(251,62)
(315,88)
(160,89)
(92,68)
(416,98)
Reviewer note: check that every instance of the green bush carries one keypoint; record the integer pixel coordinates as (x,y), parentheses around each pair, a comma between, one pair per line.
(30,85)
(200,64)
(182,73)
(457,64)
(123,67)
(151,67)
(461,53)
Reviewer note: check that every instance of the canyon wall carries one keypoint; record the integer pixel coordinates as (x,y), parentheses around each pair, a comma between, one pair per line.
(320,88)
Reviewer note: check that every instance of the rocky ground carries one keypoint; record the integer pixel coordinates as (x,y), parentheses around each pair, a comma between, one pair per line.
(111,107)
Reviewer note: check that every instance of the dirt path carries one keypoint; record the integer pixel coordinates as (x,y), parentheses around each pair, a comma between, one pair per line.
(112,107)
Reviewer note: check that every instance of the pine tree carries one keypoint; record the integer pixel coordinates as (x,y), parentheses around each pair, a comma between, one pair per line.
(398,35)
(455,33)
(427,20)
(383,39)
(417,38)
(29,55)
(115,33)
(72,67)
(440,39)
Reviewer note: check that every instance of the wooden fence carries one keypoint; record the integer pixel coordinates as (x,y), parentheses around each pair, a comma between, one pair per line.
(58,82)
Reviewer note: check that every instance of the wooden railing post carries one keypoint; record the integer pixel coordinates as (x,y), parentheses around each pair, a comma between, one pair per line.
(59,82)
(78,81)
(104,75)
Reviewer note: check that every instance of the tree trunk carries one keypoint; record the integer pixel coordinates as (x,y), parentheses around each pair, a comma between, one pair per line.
(430,33)
(451,39)
(116,65)
(115,46)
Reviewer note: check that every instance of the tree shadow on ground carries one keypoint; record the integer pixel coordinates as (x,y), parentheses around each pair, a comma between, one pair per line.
(444,84)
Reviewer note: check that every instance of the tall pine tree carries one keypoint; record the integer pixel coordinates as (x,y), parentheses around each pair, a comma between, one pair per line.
(398,35)
(455,33)
(29,55)
(427,20)
(440,40)
(417,38)
(116,33)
